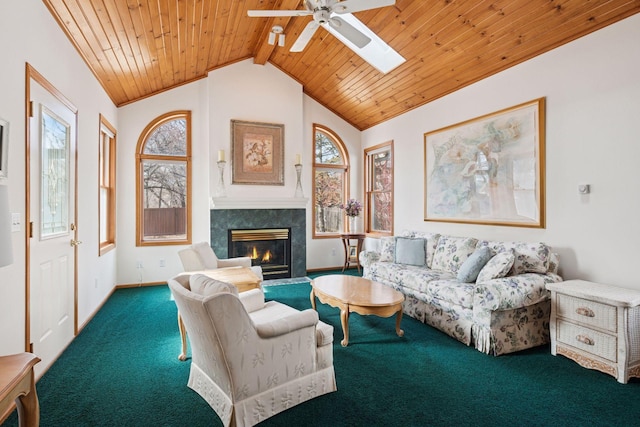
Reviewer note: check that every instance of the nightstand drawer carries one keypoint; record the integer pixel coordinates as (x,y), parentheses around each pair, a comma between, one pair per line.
(587,312)
(596,343)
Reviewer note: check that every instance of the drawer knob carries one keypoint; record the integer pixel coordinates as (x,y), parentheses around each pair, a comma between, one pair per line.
(585,311)
(585,340)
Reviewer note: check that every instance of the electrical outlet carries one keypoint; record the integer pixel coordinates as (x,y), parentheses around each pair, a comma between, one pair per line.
(162,262)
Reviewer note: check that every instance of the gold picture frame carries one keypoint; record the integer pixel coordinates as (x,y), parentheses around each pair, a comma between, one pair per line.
(488,170)
(257,152)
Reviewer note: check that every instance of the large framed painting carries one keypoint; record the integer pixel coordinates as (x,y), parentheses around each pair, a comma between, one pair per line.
(488,170)
(257,153)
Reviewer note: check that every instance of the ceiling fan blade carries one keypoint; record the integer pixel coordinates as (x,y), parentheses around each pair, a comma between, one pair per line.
(304,37)
(349,32)
(377,53)
(276,13)
(350,6)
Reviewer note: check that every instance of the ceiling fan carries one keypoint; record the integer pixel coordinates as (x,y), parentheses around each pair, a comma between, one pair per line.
(335,16)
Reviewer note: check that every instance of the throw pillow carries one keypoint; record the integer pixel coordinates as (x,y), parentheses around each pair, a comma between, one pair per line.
(451,252)
(469,269)
(411,251)
(497,267)
(207,286)
(387,249)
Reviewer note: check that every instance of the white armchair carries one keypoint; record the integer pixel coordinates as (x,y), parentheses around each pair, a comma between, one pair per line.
(250,359)
(200,256)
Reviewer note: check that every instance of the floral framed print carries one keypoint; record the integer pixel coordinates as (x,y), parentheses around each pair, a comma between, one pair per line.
(488,170)
(4,147)
(257,152)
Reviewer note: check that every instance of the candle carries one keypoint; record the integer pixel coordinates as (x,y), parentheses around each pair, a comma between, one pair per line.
(221,155)
(298,159)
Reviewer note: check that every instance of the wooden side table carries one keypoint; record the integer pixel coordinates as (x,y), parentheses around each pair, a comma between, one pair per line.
(17,384)
(597,326)
(351,251)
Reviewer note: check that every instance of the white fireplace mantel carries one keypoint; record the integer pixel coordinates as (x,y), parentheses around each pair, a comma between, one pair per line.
(258,203)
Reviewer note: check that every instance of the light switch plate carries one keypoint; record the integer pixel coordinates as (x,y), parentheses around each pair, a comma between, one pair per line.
(16,221)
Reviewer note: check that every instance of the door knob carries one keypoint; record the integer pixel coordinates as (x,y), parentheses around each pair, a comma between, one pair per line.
(75,242)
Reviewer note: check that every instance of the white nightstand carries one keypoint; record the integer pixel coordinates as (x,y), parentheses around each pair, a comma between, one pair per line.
(596,325)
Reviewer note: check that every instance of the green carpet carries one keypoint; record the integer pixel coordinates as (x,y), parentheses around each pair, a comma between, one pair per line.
(123,370)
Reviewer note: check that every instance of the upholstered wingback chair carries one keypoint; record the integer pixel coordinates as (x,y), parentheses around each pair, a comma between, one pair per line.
(200,256)
(251,360)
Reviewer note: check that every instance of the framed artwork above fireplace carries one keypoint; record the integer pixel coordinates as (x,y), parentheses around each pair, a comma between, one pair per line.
(257,151)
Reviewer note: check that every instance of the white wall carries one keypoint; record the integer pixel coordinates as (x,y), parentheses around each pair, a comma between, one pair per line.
(133,118)
(592,90)
(241,91)
(28,33)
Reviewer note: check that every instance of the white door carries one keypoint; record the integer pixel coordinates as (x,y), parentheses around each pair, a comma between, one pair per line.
(52,154)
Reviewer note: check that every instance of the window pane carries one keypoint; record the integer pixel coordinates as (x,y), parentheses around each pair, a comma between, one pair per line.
(381,212)
(104,214)
(329,187)
(326,150)
(379,209)
(164,200)
(54,204)
(168,139)
(382,171)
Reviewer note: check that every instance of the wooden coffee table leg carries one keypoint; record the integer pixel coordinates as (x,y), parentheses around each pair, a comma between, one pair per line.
(399,331)
(313,299)
(344,318)
(183,338)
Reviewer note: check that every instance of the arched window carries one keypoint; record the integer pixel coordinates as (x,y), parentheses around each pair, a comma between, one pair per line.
(163,181)
(330,182)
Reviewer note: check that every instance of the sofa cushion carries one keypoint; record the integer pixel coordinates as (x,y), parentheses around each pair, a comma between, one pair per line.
(496,267)
(451,293)
(207,286)
(411,251)
(451,252)
(469,269)
(432,244)
(388,249)
(529,257)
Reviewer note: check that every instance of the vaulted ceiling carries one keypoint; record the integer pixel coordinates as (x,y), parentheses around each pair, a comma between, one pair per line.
(138,48)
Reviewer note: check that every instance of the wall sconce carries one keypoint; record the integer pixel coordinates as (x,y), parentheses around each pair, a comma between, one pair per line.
(277,32)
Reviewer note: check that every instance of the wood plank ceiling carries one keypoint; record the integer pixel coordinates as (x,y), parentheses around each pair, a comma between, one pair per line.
(138,48)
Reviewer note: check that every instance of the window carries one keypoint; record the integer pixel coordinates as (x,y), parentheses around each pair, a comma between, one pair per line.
(107,184)
(163,184)
(330,182)
(378,209)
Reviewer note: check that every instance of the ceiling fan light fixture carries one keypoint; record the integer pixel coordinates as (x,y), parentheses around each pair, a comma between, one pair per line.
(276,32)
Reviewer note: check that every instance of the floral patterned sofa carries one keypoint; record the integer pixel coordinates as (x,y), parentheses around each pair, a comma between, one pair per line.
(487,294)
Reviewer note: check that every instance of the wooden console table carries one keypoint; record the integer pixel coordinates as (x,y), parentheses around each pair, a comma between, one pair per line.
(17,384)
(351,252)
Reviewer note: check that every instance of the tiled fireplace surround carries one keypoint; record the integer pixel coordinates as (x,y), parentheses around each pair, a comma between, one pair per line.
(222,220)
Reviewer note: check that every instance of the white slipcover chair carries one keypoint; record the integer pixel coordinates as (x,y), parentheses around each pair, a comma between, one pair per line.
(200,256)
(250,359)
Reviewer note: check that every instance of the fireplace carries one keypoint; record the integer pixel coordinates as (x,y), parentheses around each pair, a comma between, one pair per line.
(294,219)
(270,248)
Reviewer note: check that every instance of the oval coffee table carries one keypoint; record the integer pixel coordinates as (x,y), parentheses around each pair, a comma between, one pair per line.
(352,294)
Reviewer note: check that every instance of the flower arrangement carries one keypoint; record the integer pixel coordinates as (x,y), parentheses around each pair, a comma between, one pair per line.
(351,208)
